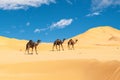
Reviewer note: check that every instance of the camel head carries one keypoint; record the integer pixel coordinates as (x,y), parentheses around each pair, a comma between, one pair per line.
(64,39)
(38,41)
(76,40)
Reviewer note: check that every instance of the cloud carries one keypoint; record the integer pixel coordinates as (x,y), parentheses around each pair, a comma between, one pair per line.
(40,30)
(28,24)
(37,31)
(22,4)
(44,29)
(61,24)
(93,14)
(70,2)
(98,6)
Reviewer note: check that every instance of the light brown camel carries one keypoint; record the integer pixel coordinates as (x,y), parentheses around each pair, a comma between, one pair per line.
(72,43)
(59,43)
(32,45)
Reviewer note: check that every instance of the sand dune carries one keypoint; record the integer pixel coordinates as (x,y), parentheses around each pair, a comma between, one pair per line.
(100,35)
(62,70)
(96,57)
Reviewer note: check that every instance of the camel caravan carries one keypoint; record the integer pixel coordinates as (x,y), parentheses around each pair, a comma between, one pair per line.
(58,45)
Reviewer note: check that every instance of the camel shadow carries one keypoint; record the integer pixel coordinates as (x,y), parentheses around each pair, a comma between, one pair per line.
(30,54)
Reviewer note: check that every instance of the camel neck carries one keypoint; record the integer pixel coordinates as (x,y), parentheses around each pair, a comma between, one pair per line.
(37,43)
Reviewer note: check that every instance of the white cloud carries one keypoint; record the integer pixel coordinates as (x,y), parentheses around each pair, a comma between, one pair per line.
(70,2)
(61,24)
(22,4)
(100,5)
(40,30)
(93,14)
(44,29)
(37,31)
(28,24)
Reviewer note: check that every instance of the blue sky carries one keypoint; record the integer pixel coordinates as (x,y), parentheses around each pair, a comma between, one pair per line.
(51,19)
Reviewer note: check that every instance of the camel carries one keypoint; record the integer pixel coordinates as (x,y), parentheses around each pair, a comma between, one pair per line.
(32,45)
(59,43)
(72,43)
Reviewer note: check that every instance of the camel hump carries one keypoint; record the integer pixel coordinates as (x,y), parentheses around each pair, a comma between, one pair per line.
(30,41)
(58,40)
(71,39)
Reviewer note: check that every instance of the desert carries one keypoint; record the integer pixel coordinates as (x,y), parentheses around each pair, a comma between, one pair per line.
(96,57)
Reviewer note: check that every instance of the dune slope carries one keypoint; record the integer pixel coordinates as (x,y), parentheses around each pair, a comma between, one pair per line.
(62,70)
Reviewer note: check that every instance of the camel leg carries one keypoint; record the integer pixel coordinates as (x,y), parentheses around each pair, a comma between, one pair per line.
(32,51)
(56,47)
(59,47)
(36,50)
(73,47)
(62,47)
(68,46)
(53,47)
(28,50)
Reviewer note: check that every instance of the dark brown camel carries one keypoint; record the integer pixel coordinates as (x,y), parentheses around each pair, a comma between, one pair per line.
(72,43)
(32,45)
(59,43)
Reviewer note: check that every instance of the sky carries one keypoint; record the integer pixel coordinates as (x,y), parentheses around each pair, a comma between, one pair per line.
(49,20)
